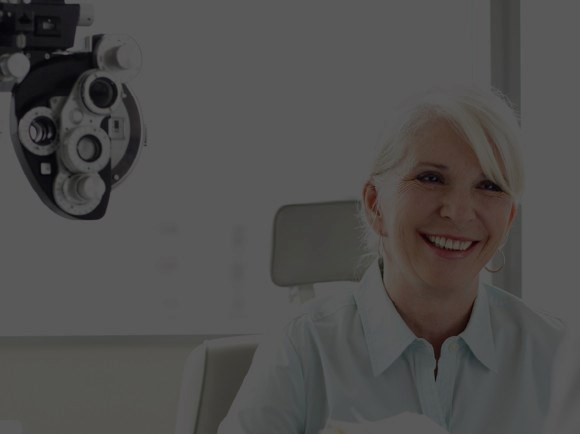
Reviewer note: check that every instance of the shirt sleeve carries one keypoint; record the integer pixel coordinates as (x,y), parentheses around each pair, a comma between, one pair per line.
(272,396)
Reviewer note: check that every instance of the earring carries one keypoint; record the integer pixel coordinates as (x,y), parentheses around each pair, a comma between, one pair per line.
(380,254)
(496,270)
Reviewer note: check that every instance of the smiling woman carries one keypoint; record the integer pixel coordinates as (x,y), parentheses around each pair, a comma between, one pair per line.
(421,333)
(439,215)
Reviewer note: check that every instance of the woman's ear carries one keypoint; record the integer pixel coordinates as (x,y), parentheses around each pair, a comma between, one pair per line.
(511,219)
(512,216)
(371,207)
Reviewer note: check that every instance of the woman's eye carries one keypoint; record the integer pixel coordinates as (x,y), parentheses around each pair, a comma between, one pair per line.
(430,178)
(491,186)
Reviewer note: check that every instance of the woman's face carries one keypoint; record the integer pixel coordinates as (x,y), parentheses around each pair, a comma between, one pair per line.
(441,218)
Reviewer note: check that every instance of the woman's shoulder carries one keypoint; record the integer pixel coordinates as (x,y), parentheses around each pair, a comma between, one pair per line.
(320,317)
(564,414)
(328,308)
(516,312)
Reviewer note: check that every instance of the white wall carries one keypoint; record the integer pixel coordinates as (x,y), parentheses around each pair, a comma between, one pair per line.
(550,118)
(249,106)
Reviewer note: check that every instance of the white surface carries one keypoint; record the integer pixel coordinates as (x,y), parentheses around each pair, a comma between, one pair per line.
(10,427)
(404,423)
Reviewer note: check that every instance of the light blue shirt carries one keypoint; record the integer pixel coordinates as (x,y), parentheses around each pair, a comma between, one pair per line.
(352,356)
(564,414)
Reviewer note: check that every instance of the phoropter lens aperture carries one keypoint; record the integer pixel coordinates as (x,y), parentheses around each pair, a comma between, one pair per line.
(42,131)
(103,92)
(89,148)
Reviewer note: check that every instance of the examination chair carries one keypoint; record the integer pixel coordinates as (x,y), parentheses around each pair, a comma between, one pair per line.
(312,243)
(211,378)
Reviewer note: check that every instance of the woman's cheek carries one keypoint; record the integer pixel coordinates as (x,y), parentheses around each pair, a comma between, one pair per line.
(496,208)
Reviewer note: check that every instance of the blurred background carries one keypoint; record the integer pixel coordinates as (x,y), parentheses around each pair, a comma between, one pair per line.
(250,106)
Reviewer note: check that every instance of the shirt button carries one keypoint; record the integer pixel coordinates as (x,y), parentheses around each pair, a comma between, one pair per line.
(454,347)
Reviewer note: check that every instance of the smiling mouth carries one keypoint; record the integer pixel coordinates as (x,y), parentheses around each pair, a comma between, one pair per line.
(450,244)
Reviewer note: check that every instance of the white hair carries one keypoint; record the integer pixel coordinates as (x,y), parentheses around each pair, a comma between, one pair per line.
(484,118)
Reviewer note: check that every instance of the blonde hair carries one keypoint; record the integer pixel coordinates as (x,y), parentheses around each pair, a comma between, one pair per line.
(483,117)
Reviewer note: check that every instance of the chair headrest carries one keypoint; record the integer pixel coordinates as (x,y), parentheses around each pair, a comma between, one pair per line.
(318,242)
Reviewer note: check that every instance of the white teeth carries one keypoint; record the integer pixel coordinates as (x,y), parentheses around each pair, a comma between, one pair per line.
(446,243)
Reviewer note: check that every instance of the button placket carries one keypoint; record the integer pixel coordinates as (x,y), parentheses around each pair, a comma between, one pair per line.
(446,379)
(426,387)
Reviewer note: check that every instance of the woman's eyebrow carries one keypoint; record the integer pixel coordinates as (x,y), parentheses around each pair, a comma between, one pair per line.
(442,167)
(430,164)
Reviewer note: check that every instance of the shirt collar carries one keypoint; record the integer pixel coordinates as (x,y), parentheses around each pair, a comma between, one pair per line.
(388,336)
(478,335)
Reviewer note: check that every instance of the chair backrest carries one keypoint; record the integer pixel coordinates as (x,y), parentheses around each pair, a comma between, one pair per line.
(315,243)
(212,375)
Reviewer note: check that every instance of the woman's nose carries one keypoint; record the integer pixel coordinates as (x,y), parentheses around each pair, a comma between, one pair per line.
(458,206)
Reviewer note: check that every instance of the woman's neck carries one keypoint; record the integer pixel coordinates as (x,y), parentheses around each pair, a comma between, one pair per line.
(432,314)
